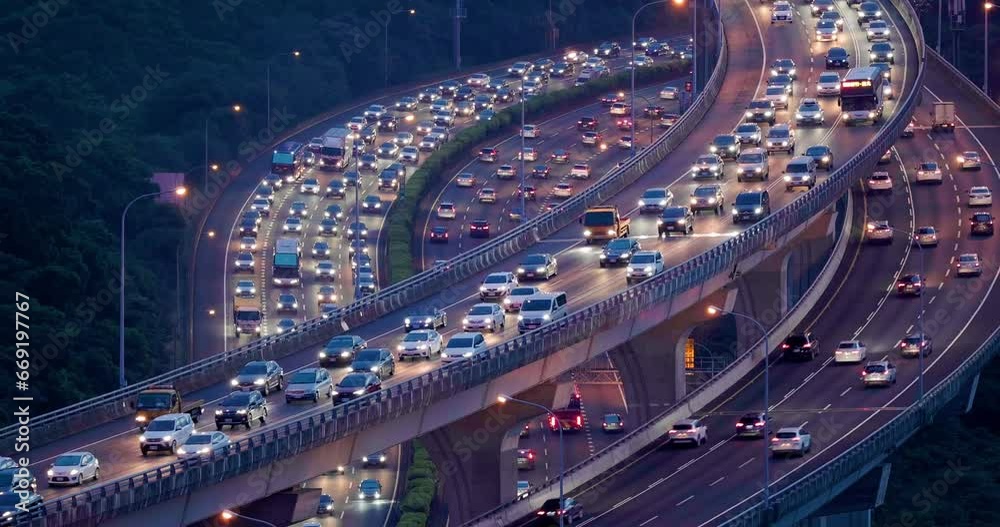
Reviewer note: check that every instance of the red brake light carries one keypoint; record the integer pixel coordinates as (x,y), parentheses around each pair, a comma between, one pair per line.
(739,425)
(552,422)
(579,420)
(784,346)
(808,345)
(531,455)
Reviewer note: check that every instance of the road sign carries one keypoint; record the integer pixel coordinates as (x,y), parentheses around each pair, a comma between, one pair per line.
(689,354)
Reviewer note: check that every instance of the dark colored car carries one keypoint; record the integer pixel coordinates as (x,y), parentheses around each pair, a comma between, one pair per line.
(259,375)
(981,223)
(479,229)
(336,189)
(355,385)
(571,510)
(241,409)
(541,266)
(800,346)
(837,58)
(388,123)
(425,318)
(751,205)
(751,425)
(619,251)
(376,360)
(341,350)
(325,504)
(910,284)
(587,123)
(438,234)
(675,219)
(726,146)
(541,171)
(822,155)
(560,156)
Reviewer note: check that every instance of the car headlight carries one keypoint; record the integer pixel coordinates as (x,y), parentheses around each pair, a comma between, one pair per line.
(735,212)
(540,270)
(234,382)
(798,115)
(758,210)
(140,418)
(180,450)
(258,382)
(611,232)
(642,203)
(775,72)
(467,354)
(630,269)
(758,170)
(826,159)
(749,114)
(788,178)
(871,115)
(872,56)
(587,233)
(663,203)
(768,113)
(784,98)
(889,54)
(871,33)
(482,288)
(648,269)
(711,200)
(50,473)
(546,316)
(713,149)
(359,392)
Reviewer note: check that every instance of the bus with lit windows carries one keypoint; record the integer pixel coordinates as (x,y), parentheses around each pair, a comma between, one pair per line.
(862,96)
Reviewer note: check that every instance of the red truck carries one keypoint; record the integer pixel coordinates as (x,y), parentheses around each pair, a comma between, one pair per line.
(569,419)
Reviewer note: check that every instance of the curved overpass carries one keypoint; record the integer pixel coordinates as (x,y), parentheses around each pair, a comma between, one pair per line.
(116,437)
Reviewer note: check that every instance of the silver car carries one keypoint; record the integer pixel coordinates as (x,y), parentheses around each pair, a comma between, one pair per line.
(925,236)
(828,84)
(74,468)
(309,384)
(204,444)
(969,264)
(485,317)
(794,441)
(809,112)
(970,161)
(879,373)
(748,133)
(512,302)
(420,343)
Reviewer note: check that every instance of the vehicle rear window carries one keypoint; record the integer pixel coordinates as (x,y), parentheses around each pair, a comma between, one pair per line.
(875,368)
(786,435)
(683,427)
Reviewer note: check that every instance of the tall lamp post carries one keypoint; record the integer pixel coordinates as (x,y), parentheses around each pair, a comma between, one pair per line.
(920,316)
(632,63)
(713,310)
(562,452)
(524,192)
(410,12)
(295,53)
(987,7)
(357,221)
(236,108)
(179,191)
(227,515)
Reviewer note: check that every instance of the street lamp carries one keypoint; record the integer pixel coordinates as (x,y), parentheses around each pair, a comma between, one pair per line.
(227,515)
(920,316)
(632,64)
(236,108)
(178,191)
(357,222)
(295,53)
(524,190)
(987,7)
(410,12)
(713,310)
(562,452)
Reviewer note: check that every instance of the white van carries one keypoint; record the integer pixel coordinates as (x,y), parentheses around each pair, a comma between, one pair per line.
(541,309)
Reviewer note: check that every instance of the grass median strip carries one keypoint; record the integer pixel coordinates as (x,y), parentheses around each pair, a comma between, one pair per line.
(400,222)
(421,487)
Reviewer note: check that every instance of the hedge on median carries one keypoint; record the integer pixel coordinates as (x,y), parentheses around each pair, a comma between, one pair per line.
(437,166)
(421,487)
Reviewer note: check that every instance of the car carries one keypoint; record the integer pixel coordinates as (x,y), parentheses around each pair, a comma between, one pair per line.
(692,431)
(425,318)
(752,424)
(822,6)
(13,478)
(309,383)
(526,458)
(241,409)
(341,350)
(512,302)
(655,200)
(369,489)
(486,115)
(334,212)
(828,84)
(497,285)
(409,155)
(912,344)
(980,196)
(785,66)
(356,123)
(563,69)
(166,433)
(760,111)
(612,98)
(707,165)
(658,49)
(73,468)
(326,294)
(428,144)
(882,52)
(570,510)
(464,94)
(910,285)
(371,204)
(879,373)
(837,57)
(484,101)
(366,136)
(204,444)
(466,108)
(388,150)
(791,441)
(244,262)
(265,192)
(612,423)
(438,234)
(356,231)
(374,112)
(827,31)
(593,139)
(822,155)
(420,343)
(506,95)
(486,195)
(780,138)
(580,171)
(670,93)
(519,69)
(537,266)
(878,231)
(981,223)
(446,210)
(832,16)
(798,346)
(625,142)
(406,104)
(443,118)
(541,171)
(868,12)
(528,153)
(969,264)
(668,119)
(478,80)
(388,123)
(530,131)
(753,164)
(620,108)
(751,205)
(619,251)
(925,236)
(325,270)
(463,346)
(356,384)
(351,178)
(879,182)
(503,172)
(778,95)
(970,160)
(929,172)
(809,112)
(368,161)
(336,189)
(676,219)
(262,206)
(273,181)
(641,61)
(878,31)
(748,133)
(643,265)
(782,12)
(726,146)
(488,155)
(708,197)
(532,86)
(255,215)
(479,228)
(21,508)
(245,289)
(485,316)
(248,227)
(358,245)
(559,156)
(248,244)
(586,123)
(260,375)
(376,360)
(321,249)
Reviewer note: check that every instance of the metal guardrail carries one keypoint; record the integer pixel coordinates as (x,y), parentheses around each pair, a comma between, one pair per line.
(875,446)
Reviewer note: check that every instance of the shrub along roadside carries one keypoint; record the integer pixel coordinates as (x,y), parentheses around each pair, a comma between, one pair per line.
(399,224)
(421,487)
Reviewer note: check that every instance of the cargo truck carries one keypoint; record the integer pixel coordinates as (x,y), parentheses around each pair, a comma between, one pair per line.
(160,400)
(247,318)
(604,223)
(943,116)
(287,270)
(338,149)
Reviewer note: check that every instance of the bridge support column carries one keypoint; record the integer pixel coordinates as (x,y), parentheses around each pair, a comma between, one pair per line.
(476,455)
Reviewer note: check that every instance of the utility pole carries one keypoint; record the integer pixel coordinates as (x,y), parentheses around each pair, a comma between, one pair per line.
(459,15)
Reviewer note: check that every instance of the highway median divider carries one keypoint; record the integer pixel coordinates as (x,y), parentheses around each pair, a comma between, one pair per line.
(421,488)
(461,148)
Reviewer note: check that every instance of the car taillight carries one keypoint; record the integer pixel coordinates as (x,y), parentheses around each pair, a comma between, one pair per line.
(774,439)
(807,346)
(531,455)
(540,513)
(784,346)
(552,422)
(739,425)
(579,420)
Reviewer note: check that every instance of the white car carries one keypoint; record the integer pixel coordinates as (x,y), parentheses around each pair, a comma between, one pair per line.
(562,190)
(620,108)
(403,139)
(420,343)
(446,210)
(809,112)
(465,180)
(691,431)
(879,373)
(670,93)
(529,154)
(464,346)
(850,351)
(409,154)
(204,444)
(244,262)
(478,80)
(980,197)
(878,231)
(374,112)
(248,244)
(310,186)
(512,302)
(245,289)
(356,123)
(580,171)
(793,441)
(74,468)
(485,317)
(325,270)
(780,137)
(925,236)
(292,225)
(827,31)
(643,61)
(166,433)
(530,131)
(878,31)
(497,285)
(970,161)
(643,265)
(782,12)
(879,181)
(828,84)
(777,95)
(929,172)
(969,263)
